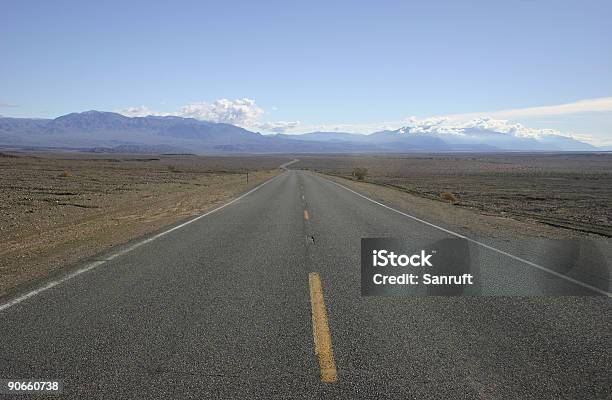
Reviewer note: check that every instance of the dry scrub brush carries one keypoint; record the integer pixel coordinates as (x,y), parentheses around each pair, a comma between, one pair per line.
(449,196)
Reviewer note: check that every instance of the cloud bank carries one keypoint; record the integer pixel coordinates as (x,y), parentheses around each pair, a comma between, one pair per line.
(503,121)
(446,126)
(247,114)
(602,104)
(236,112)
(240,112)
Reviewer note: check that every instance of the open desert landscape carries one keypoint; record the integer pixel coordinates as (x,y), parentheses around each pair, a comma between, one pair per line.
(59,208)
(56,209)
(569,191)
(306,200)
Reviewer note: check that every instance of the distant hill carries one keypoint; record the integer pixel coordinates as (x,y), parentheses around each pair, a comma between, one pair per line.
(106,130)
(111,132)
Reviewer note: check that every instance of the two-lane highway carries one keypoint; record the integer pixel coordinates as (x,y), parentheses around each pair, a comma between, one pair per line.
(223,307)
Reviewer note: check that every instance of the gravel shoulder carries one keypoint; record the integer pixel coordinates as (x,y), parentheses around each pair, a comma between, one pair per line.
(569,191)
(464,220)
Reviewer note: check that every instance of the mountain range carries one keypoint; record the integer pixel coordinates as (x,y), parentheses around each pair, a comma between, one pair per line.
(98,131)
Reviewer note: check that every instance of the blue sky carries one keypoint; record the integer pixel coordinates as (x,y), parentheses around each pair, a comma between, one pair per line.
(312,65)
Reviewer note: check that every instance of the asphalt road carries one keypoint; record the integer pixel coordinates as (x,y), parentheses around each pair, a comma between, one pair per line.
(220,308)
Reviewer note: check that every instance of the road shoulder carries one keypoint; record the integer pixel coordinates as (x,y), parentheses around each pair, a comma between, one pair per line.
(468,222)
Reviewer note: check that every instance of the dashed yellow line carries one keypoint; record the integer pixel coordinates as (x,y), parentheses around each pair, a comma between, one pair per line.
(320,330)
(306,216)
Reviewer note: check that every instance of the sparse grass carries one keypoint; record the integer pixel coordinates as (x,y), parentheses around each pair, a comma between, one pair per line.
(173,168)
(449,196)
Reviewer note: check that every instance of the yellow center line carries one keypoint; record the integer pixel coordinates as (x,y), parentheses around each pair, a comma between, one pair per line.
(306,216)
(320,330)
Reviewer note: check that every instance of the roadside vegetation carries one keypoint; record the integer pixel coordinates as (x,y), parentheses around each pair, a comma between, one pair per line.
(449,197)
(360,173)
(564,190)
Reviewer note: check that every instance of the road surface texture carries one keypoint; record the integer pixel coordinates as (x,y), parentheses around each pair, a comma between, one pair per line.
(220,308)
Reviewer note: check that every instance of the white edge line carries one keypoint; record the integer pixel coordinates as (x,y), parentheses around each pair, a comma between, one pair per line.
(532,264)
(285,165)
(95,264)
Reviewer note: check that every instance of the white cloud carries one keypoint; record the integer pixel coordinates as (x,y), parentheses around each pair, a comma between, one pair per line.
(241,112)
(277,126)
(247,114)
(503,121)
(601,104)
(139,111)
(446,126)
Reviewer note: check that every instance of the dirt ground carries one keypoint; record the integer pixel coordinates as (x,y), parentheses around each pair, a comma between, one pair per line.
(569,191)
(56,209)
